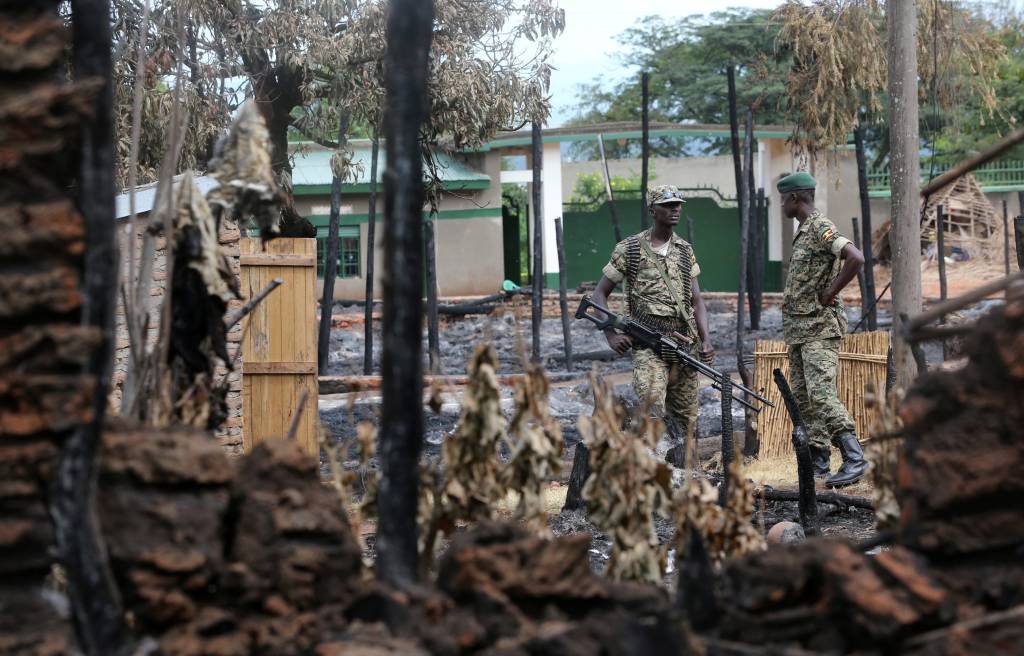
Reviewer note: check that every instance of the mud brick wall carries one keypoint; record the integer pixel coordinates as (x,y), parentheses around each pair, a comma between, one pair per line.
(44,397)
(230,435)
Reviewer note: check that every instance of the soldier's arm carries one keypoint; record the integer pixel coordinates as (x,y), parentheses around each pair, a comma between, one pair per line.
(700,313)
(619,343)
(853,260)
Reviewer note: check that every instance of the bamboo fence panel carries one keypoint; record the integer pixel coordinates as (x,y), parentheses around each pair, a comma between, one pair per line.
(279,344)
(862,358)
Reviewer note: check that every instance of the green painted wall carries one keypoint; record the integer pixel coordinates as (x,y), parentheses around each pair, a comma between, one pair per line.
(589,239)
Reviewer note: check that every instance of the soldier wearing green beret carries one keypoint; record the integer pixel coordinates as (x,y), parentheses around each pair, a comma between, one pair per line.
(660,271)
(813,323)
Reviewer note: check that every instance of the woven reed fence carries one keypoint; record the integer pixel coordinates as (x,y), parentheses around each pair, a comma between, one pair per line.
(862,359)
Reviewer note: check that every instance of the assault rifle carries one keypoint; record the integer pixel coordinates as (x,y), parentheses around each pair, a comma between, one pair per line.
(660,343)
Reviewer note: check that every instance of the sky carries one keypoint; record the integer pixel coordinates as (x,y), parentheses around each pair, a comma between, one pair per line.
(587,48)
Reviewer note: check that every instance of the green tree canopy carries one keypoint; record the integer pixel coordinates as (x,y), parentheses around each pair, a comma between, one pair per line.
(687,59)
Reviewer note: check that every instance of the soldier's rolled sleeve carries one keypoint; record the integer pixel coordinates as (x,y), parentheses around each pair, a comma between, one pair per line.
(838,244)
(694,267)
(615,270)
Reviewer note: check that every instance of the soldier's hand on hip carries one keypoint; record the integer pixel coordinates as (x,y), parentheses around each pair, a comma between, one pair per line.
(620,343)
(825,299)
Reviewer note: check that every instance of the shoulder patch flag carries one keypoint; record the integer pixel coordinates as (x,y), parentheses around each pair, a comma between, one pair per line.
(828,235)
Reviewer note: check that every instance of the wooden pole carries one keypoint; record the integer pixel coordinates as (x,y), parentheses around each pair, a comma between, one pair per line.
(406,61)
(94,601)
(608,190)
(727,446)
(744,191)
(904,146)
(750,189)
(1018,238)
(755,268)
(371,233)
(645,144)
(689,229)
(865,215)
(940,248)
(860,274)
(433,339)
(331,257)
(741,292)
(538,243)
(1006,237)
(563,300)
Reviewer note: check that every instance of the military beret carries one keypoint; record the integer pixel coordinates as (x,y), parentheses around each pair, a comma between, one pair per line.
(796,182)
(665,194)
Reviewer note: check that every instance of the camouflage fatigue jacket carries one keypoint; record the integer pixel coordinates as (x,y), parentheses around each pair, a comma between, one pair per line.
(812,268)
(648,293)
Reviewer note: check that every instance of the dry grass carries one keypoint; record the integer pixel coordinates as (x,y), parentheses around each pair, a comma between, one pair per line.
(781,473)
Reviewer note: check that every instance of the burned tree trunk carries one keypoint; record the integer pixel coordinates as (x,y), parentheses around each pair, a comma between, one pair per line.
(905,239)
(323,342)
(95,603)
(408,37)
(865,217)
(645,144)
(371,234)
(537,272)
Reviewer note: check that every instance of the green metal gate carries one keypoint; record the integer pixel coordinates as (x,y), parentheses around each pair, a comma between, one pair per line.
(589,240)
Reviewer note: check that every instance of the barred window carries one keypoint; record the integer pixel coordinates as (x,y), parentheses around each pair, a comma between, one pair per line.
(349,259)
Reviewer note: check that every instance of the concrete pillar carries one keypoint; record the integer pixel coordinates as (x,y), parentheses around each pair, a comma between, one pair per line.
(552,202)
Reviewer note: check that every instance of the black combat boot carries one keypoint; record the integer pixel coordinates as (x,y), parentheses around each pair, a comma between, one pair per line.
(854,464)
(820,457)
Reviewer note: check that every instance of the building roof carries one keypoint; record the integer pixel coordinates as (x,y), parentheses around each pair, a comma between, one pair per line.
(145,195)
(311,173)
(629,130)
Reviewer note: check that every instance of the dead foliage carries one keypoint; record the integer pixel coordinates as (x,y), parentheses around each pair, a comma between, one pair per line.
(728,530)
(883,452)
(241,164)
(627,485)
(536,447)
(473,484)
(839,63)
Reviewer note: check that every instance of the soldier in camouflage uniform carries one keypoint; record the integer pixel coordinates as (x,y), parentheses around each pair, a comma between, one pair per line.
(662,292)
(813,323)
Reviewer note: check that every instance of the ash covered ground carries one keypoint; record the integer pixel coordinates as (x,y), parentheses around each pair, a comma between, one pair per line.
(571,399)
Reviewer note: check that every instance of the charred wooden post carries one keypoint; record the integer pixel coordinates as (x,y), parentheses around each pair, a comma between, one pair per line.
(608,190)
(865,216)
(1006,238)
(695,584)
(408,48)
(433,340)
(563,300)
(577,478)
(940,246)
(537,306)
(861,283)
(95,602)
(1018,239)
(371,233)
(755,267)
(323,342)
(727,445)
(689,229)
(808,503)
(645,143)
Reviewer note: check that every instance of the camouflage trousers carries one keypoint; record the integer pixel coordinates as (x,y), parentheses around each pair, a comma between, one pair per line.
(813,367)
(668,389)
